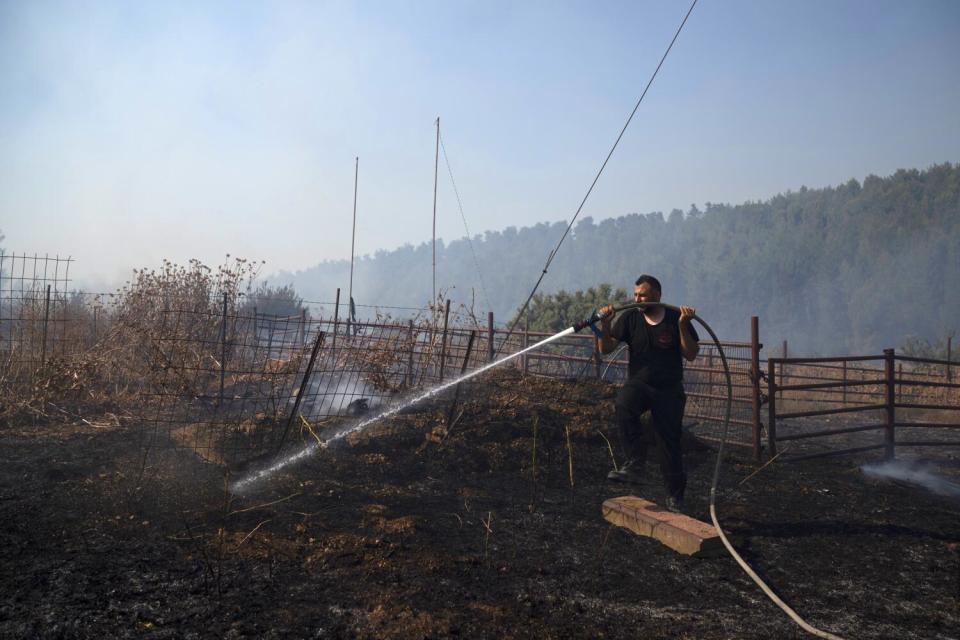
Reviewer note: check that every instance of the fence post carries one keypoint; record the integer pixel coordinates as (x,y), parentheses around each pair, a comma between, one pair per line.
(772,406)
(223,347)
(526,343)
(443,338)
(63,325)
(710,373)
(95,310)
(295,410)
(456,390)
(949,345)
(46,320)
(844,388)
(490,336)
(900,382)
(754,382)
(336,321)
(273,327)
(409,380)
(890,442)
(782,367)
(303,326)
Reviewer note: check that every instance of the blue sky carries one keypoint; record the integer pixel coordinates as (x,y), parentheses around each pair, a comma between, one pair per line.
(134,131)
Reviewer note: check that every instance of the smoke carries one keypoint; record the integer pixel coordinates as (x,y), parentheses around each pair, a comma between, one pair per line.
(333,394)
(914,473)
(386,412)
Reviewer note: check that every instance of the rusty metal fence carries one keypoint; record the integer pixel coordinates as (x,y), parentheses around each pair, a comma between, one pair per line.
(850,404)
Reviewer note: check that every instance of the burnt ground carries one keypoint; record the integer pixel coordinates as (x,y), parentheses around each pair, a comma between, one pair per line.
(398,535)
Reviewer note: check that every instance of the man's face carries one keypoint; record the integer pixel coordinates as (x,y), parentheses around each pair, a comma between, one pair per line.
(645,293)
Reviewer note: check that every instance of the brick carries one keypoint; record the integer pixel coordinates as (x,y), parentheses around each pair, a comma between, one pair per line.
(680,532)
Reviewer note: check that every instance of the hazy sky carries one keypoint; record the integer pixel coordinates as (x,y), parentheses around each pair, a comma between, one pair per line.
(134,131)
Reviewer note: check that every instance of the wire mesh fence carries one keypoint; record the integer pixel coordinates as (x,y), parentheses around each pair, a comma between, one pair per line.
(235,388)
(34,313)
(197,363)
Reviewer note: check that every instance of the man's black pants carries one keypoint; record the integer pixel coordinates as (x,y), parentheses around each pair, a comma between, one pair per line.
(666,407)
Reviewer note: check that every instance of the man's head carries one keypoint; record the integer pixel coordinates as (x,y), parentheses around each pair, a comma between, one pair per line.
(646,289)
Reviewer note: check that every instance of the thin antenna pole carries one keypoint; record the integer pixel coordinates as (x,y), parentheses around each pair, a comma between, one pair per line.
(436,164)
(353,235)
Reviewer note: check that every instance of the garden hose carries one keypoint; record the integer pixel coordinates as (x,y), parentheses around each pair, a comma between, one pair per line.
(591,322)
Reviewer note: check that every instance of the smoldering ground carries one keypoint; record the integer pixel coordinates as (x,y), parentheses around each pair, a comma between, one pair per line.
(919,473)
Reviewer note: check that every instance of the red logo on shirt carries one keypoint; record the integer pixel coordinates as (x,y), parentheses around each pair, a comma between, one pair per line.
(665,340)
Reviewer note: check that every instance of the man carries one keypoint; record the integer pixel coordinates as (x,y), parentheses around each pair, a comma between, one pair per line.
(659,340)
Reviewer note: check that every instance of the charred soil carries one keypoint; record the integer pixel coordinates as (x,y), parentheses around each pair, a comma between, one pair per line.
(491,528)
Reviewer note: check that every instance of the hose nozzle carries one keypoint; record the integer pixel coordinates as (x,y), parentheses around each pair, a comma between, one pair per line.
(590,322)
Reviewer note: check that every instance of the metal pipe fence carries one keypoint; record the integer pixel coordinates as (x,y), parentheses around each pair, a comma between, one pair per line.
(912,401)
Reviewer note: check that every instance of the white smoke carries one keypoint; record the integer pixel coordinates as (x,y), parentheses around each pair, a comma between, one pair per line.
(915,473)
(332,394)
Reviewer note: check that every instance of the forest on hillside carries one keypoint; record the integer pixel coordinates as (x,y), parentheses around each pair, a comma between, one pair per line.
(855,267)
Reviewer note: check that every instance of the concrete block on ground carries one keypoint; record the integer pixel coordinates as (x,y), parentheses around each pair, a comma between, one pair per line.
(680,532)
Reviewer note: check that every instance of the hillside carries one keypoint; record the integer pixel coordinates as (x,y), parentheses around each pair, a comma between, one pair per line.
(855,267)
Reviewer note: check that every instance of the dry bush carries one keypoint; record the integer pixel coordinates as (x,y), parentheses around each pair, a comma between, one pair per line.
(384,357)
(158,326)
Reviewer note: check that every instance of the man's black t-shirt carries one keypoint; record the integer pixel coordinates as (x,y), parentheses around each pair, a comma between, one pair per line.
(655,356)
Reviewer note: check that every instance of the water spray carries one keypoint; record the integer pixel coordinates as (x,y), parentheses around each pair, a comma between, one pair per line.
(244,483)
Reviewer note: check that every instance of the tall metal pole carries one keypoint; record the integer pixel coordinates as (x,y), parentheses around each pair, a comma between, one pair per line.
(436,164)
(353,236)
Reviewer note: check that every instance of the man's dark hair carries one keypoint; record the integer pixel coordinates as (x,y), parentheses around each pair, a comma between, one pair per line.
(650,280)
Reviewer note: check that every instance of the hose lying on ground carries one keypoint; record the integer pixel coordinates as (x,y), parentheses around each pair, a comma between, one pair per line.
(716,478)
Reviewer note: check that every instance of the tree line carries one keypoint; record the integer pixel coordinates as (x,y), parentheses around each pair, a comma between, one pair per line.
(855,267)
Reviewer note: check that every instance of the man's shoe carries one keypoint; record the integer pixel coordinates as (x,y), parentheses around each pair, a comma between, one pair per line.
(674,504)
(629,472)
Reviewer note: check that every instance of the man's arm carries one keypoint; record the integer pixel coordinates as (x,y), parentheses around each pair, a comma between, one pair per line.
(689,347)
(606,343)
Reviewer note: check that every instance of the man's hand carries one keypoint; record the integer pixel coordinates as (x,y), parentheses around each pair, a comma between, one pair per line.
(605,342)
(688,346)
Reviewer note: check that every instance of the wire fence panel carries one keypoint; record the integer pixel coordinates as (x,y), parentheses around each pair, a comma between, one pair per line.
(828,406)
(706,388)
(34,303)
(234,387)
(199,366)
(223,383)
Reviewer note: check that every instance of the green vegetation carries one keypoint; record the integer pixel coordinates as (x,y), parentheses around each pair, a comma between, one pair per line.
(856,267)
(937,350)
(282,301)
(557,311)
